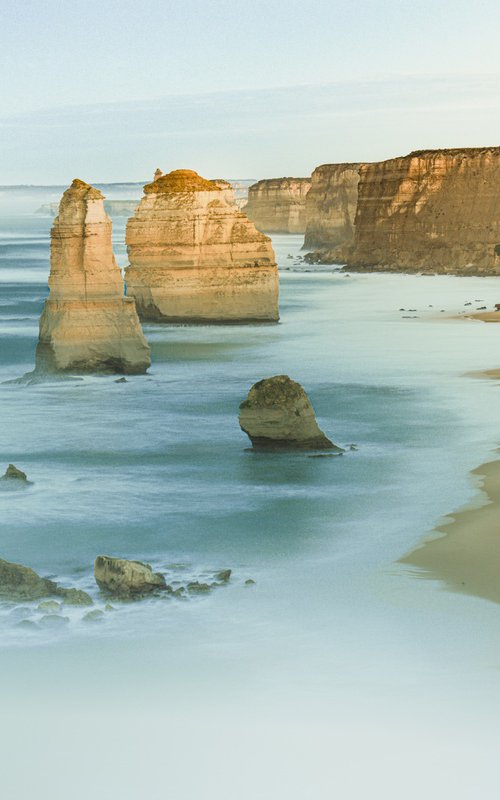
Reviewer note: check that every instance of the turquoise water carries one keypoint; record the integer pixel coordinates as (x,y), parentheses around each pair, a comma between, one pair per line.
(336,656)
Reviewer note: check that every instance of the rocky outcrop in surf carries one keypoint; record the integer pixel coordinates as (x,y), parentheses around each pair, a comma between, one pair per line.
(127,579)
(433,210)
(87,324)
(331,205)
(18,582)
(195,257)
(278,205)
(277,414)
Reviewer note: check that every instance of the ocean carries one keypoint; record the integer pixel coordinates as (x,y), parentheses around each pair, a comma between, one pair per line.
(339,671)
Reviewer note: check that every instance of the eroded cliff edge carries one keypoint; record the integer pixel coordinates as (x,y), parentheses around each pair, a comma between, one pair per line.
(331,205)
(278,205)
(430,211)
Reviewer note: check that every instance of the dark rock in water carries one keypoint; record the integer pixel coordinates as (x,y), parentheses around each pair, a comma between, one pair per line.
(249,582)
(76,597)
(277,415)
(53,621)
(12,473)
(121,380)
(127,579)
(196,586)
(22,583)
(325,455)
(94,616)
(223,576)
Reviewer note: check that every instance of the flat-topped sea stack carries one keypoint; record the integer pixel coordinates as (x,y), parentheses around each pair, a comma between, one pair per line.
(331,205)
(194,256)
(278,205)
(430,211)
(87,324)
(277,415)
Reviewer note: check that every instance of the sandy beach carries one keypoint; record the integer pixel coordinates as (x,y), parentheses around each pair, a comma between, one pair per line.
(465,552)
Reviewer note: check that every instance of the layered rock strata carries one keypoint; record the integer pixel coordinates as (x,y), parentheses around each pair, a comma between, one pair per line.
(87,324)
(195,257)
(331,205)
(277,414)
(432,211)
(278,205)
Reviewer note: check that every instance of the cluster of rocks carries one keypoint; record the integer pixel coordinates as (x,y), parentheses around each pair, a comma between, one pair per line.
(194,256)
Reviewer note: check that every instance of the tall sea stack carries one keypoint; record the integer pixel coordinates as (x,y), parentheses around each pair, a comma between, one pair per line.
(433,210)
(331,205)
(278,205)
(195,257)
(87,324)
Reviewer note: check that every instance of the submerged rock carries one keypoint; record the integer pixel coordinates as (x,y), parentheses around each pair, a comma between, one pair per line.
(277,414)
(223,576)
(87,324)
(126,579)
(22,583)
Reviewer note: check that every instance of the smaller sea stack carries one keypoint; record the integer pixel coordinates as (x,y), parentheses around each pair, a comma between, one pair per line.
(277,414)
(87,324)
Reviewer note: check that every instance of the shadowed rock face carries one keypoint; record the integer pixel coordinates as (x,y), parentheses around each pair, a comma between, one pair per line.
(22,583)
(87,324)
(194,256)
(433,210)
(278,205)
(277,414)
(331,205)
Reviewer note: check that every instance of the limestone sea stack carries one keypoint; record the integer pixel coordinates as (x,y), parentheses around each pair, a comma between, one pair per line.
(87,324)
(195,257)
(277,414)
(278,205)
(433,210)
(331,205)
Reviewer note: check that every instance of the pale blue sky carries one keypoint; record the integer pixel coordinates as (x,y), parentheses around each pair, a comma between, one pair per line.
(108,90)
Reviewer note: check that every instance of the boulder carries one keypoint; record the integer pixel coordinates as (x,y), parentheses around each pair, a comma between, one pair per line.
(127,579)
(277,414)
(22,583)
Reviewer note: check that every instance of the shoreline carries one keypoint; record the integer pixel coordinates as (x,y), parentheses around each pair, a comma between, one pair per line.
(464,553)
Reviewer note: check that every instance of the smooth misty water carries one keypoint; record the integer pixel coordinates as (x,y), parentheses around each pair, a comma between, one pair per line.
(336,653)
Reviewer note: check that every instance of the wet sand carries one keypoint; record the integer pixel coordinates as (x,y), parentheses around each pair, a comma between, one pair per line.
(465,552)
(484,316)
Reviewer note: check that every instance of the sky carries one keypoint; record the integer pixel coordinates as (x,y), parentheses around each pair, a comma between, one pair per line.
(110,90)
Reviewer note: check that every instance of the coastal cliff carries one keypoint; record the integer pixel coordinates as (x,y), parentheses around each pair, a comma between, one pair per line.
(87,324)
(195,256)
(331,205)
(278,205)
(431,211)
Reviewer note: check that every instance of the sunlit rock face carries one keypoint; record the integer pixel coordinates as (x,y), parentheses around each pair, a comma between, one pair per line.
(331,205)
(433,210)
(87,324)
(195,257)
(278,205)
